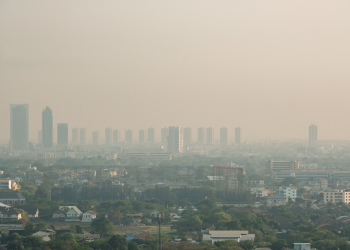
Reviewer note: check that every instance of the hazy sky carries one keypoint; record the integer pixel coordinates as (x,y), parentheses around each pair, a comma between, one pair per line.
(272,67)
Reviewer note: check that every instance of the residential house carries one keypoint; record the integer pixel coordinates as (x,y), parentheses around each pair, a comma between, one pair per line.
(10,198)
(34,175)
(276,199)
(88,216)
(73,212)
(135,218)
(32,211)
(9,213)
(59,214)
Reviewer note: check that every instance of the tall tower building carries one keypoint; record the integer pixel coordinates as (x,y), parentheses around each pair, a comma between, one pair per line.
(175,140)
(116,136)
(164,135)
(109,136)
(47,127)
(96,138)
(142,136)
(62,134)
(201,135)
(75,136)
(150,135)
(83,136)
(40,136)
(128,136)
(223,137)
(312,135)
(19,130)
(210,136)
(238,135)
(187,136)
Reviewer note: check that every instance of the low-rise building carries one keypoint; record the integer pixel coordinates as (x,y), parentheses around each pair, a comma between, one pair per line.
(232,235)
(9,213)
(88,216)
(59,214)
(10,198)
(262,192)
(276,200)
(335,196)
(255,182)
(9,184)
(302,246)
(290,192)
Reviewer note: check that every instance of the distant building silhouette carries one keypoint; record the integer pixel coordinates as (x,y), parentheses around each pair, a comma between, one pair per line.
(47,127)
(201,135)
(175,140)
(238,135)
(312,135)
(150,135)
(62,134)
(96,138)
(128,136)
(223,137)
(83,134)
(187,136)
(108,136)
(75,136)
(164,135)
(19,127)
(142,136)
(40,136)
(210,136)
(116,136)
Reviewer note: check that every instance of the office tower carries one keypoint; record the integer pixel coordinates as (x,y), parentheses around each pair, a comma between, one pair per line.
(187,136)
(109,134)
(47,127)
(201,135)
(210,136)
(40,136)
(19,131)
(223,137)
(83,136)
(142,136)
(150,135)
(96,138)
(62,133)
(312,135)
(175,140)
(128,136)
(116,136)
(75,136)
(164,135)
(238,135)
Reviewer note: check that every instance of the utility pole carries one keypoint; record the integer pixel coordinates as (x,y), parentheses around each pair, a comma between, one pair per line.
(159,242)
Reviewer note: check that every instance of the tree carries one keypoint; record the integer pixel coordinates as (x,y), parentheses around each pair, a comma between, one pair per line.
(102,225)
(247,245)
(41,226)
(118,242)
(41,193)
(15,245)
(133,246)
(32,242)
(278,245)
(79,229)
(290,180)
(29,228)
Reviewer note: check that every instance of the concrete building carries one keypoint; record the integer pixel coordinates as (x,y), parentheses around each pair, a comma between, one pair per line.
(96,138)
(301,174)
(19,126)
(223,137)
(312,135)
(128,136)
(142,136)
(201,136)
(232,235)
(187,136)
(164,135)
(290,192)
(262,192)
(108,136)
(210,136)
(62,134)
(175,140)
(238,135)
(75,136)
(277,166)
(276,199)
(10,198)
(40,136)
(335,196)
(150,135)
(302,246)
(47,127)
(116,136)
(83,134)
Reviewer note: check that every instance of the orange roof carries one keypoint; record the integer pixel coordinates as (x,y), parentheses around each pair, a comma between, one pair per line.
(92,212)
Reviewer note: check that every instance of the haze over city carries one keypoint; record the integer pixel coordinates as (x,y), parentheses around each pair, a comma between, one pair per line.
(271,67)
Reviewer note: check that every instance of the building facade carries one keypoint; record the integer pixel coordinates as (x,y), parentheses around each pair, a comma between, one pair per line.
(187,136)
(312,135)
(19,126)
(223,137)
(175,140)
(277,166)
(335,196)
(210,136)
(142,136)
(47,127)
(75,136)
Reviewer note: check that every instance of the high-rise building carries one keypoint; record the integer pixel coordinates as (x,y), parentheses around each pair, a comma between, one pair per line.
(201,135)
(175,140)
(187,136)
(312,135)
(150,135)
(238,135)
(109,135)
(128,136)
(210,136)
(223,137)
(96,138)
(75,136)
(142,136)
(47,127)
(164,135)
(40,136)
(62,134)
(19,131)
(116,136)
(83,136)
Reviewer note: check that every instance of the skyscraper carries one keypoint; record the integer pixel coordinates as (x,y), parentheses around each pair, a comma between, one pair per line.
(47,127)
(150,135)
(223,137)
(142,136)
(201,135)
(19,131)
(238,135)
(83,136)
(96,138)
(164,135)
(210,136)
(187,136)
(116,136)
(312,135)
(75,136)
(109,134)
(128,136)
(175,140)
(62,134)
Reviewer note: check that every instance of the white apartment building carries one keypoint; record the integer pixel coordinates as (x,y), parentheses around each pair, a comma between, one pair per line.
(290,192)
(277,166)
(334,196)
(175,140)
